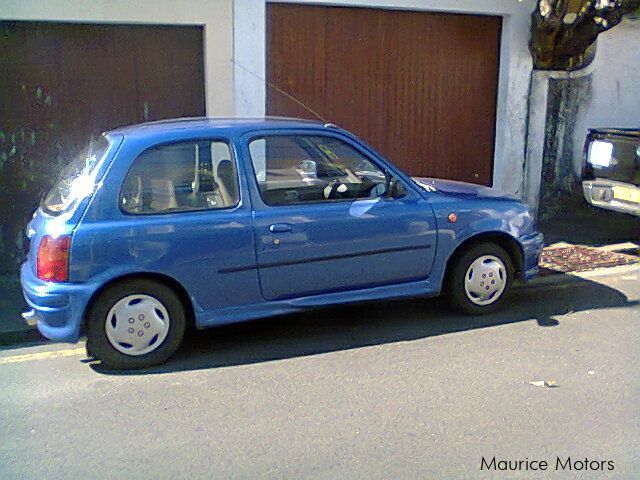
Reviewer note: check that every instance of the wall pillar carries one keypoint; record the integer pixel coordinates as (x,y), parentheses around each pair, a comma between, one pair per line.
(540,150)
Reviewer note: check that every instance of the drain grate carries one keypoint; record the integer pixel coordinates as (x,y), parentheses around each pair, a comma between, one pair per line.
(581,258)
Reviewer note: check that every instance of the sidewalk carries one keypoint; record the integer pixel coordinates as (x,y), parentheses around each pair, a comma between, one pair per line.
(13,329)
(588,239)
(591,226)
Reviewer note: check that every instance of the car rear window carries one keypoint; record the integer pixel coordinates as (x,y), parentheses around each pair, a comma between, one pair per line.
(77,180)
(181,177)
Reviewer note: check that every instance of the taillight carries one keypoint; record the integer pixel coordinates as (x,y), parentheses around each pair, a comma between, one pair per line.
(53,258)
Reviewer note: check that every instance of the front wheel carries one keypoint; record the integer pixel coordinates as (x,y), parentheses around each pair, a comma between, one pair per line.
(135,323)
(479,279)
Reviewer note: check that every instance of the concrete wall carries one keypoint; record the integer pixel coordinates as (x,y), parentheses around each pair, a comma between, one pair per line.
(513,87)
(614,96)
(216,16)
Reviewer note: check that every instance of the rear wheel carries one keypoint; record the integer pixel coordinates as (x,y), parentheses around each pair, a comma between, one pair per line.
(135,323)
(479,279)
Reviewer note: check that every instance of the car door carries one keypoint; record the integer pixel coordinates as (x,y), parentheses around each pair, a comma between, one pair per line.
(323,222)
(184,213)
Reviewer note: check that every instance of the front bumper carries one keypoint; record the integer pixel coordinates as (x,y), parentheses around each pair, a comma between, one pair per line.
(531,250)
(56,309)
(612,195)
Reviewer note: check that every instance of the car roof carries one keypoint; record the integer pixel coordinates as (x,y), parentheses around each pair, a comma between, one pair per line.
(238,125)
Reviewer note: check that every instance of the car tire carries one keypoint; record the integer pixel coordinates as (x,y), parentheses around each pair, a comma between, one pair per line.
(124,313)
(479,279)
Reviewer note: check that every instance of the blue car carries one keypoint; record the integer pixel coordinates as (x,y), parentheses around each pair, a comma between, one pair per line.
(204,222)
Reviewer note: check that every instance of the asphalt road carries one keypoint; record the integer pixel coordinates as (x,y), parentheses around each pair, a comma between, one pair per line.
(390,390)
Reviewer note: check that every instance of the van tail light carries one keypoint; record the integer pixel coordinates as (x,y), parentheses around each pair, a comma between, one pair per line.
(53,258)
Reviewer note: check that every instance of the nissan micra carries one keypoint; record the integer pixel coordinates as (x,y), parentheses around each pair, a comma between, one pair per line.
(204,222)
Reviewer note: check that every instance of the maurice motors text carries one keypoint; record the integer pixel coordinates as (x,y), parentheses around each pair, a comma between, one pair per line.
(559,463)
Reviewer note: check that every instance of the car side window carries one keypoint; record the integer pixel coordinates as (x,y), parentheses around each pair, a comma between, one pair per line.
(295,169)
(181,177)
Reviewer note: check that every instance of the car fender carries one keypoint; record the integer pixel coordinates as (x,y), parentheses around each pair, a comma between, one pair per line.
(122,272)
(478,223)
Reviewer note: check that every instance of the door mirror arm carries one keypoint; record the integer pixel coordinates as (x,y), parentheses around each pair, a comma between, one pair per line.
(388,185)
(394,188)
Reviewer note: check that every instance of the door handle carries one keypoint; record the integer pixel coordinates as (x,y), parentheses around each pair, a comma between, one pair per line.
(280,227)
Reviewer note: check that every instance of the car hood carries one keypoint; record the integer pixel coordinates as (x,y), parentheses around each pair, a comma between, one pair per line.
(453,187)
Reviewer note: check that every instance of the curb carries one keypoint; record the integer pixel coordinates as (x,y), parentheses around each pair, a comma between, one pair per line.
(556,279)
(17,337)
(579,277)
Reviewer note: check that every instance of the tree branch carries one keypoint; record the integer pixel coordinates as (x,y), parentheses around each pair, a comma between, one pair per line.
(562,31)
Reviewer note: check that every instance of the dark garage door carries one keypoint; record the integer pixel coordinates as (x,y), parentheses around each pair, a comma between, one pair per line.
(62,83)
(419,87)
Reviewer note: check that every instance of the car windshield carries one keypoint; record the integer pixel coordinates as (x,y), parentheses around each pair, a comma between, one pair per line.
(77,179)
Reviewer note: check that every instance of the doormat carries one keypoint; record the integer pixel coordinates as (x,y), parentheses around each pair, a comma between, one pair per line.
(581,258)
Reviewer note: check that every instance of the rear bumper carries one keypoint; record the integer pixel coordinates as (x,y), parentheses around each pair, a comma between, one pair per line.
(531,250)
(56,309)
(601,193)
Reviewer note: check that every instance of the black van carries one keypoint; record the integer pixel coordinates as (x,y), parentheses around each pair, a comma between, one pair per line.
(611,169)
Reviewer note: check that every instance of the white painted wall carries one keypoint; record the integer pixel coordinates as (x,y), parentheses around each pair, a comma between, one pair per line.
(216,16)
(515,68)
(614,100)
(249,57)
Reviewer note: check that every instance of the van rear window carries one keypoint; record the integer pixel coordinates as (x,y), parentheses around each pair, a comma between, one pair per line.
(77,180)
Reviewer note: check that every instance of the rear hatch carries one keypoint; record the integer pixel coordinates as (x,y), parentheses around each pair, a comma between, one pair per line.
(62,208)
(612,154)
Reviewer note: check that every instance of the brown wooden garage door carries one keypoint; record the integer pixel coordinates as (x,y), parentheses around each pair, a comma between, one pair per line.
(62,83)
(98,76)
(419,87)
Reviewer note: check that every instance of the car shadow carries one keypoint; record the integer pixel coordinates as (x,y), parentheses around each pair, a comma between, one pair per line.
(374,323)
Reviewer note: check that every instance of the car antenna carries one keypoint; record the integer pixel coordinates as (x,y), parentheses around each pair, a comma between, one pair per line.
(279,90)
